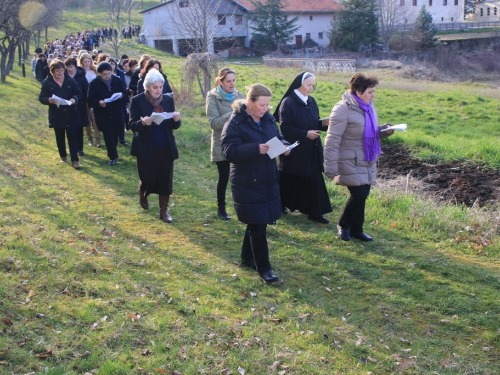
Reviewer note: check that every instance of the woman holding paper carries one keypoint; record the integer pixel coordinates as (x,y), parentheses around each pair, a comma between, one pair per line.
(154,142)
(105,97)
(86,63)
(218,109)
(302,186)
(254,175)
(351,149)
(62,94)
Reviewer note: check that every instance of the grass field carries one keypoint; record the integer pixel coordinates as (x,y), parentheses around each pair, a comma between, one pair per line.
(91,283)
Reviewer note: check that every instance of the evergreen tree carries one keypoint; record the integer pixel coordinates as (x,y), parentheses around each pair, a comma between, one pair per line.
(424,32)
(271,26)
(357,25)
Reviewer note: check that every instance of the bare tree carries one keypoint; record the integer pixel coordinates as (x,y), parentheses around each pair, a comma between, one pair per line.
(198,22)
(390,14)
(116,11)
(200,67)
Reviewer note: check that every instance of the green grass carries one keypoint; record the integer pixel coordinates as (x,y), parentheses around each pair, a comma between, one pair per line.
(80,260)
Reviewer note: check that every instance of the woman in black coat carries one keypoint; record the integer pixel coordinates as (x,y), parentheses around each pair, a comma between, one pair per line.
(154,142)
(108,115)
(152,64)
(254,176)
(41,63)
(78,74)
(302,186)
(64,118)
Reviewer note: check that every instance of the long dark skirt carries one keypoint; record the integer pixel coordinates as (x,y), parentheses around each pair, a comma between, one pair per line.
(306,194)
(156,175)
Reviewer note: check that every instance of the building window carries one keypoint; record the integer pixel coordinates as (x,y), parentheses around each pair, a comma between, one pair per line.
(451,19)
(183,4)
(238,19)
(402,2)
(488,12)
(308,36)
(445,2)
(430,3)
(310,18)
(414,3)
(222,19)
(481,12)
(320,36)
(495,11)
(456,2)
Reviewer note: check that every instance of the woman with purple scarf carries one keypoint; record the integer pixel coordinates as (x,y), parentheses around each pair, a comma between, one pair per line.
(352,146)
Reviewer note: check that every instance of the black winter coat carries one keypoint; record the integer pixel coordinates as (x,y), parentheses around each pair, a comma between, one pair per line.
(39,69)
(110,117)
(133,81)
(66,115)
(254,177)
(142,142)
(297,118)
(82,104)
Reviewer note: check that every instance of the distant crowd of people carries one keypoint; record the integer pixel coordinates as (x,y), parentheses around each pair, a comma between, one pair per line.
(103,95)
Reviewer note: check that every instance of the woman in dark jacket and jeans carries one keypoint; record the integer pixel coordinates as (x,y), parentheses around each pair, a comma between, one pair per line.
(302,186)
(108,115)
(254,176)
(64,118)
(78,74)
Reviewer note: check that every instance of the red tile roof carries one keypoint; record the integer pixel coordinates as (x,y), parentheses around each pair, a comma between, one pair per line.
(306,6)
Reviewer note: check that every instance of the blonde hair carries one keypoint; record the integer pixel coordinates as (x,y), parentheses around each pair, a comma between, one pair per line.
(222,75)
(87,56)
(254,92)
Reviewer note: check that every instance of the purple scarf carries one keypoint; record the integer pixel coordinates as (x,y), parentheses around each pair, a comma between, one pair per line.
(371,143)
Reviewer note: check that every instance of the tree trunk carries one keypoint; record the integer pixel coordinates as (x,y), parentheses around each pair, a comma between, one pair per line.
(46,34)
(3,67)
(11,58)
(19,54)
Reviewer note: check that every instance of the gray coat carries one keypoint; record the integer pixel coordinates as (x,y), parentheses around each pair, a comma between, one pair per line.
(344,156)
(218,113)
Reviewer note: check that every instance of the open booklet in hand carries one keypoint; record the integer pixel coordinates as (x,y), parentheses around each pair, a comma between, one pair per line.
(60,101)
(276,147)
(400,127)
(159,117)
(115,96)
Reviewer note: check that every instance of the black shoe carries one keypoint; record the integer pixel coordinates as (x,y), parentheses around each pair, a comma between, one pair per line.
(248,264)
(318,219)
(112,162)
(221,211)
(81,153)
(269,276)
(362,237)
(124,143)
(344,233)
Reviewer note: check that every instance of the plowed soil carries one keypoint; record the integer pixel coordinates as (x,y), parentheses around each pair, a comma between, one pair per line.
(452,182)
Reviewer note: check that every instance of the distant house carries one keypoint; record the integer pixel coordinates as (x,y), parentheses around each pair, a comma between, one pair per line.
(229,26)
(485,11)
(442,11)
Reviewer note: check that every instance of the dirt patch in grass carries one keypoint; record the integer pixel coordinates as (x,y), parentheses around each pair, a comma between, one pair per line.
(455,182)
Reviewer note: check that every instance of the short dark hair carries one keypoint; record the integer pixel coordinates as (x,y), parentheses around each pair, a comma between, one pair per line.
(132,62)
(40,55)
(70,61)
(124,57)
(360,82)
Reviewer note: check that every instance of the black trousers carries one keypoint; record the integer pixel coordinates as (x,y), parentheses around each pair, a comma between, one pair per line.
(254,249)
(223,168)
(111,140)
(72,134)
(353,216)
(79,135)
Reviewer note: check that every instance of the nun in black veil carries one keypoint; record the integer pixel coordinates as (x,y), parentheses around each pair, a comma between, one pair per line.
(302,186)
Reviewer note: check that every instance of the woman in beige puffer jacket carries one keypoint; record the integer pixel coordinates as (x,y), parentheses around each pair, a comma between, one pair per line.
(218,108)
(345,160)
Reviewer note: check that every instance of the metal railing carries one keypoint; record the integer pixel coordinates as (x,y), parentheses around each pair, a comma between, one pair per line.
(312,64)
(452,26)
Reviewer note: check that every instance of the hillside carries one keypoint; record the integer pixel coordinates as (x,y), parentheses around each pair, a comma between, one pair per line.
(90,283)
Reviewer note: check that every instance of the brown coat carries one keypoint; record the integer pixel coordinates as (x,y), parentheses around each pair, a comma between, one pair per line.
(218,113)
(344,156)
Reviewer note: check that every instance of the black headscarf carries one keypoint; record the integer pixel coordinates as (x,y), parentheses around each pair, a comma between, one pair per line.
(297,82)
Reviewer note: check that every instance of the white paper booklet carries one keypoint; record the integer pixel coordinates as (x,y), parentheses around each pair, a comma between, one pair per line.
(60,101)
(115,96)
(400,127)
(158,117)
(276,147)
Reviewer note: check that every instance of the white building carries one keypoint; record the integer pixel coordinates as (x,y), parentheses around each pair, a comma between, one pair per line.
(442,11)
(485,11)
(172,25)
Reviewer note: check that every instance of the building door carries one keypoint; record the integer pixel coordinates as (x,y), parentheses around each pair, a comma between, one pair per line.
(298,41)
